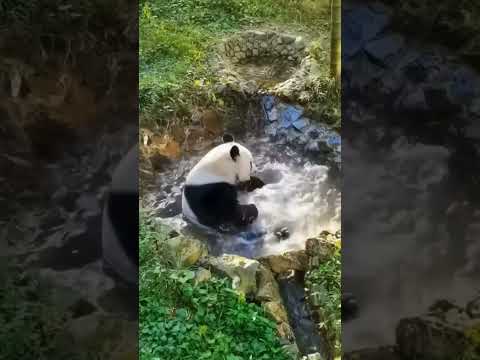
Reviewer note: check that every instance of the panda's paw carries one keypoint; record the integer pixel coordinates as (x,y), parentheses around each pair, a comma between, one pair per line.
(248,214)
(256,183)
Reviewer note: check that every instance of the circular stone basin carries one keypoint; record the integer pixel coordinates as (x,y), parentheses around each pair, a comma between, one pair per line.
(266,57)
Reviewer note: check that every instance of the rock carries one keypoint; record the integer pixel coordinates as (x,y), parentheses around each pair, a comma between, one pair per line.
(94,330)
(285,331)
(186,251)
(212,122)
(415,71)
(299,43)
(322,246)
(166,146)
(359,25)
(313,134)
(413,101)
(202,275)
(436,336)
(276,311)
(383,353)
(241,270)
(258,35)
(317,147)
(475,107)
(295,260)
(273,114)
(349,306)
(384,49)
(173,233)
(288,39)
(315,356)
(60,195)
(439,101)
(282,233)
(391,83)
(292,349)
(473,308)
(267,286)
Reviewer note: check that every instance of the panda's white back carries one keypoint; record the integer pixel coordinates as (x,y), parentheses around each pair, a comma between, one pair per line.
(217,166)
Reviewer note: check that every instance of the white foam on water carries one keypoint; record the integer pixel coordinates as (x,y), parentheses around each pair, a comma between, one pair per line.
(297,196)
(299,201)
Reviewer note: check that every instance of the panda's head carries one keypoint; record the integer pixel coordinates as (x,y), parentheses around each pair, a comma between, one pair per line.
(240,157)
(229,162)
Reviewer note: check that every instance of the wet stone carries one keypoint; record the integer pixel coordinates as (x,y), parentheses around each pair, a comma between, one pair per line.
(299,43)
(414,101)
(383,49)
(81,308)
(288,39)
(314,134)
(282,233)
(473,308)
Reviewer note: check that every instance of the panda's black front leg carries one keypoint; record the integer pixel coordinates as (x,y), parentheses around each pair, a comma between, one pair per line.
(246,214)
(251,185)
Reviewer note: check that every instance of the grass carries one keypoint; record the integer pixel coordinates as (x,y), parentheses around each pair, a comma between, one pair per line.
(176,38)
(326,280)
(182,320)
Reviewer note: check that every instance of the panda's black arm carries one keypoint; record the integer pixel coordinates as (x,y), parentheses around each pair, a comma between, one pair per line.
(223,207)
(250,185)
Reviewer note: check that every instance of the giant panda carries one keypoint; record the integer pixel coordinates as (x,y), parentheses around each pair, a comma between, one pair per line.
(120,221)
(210,192)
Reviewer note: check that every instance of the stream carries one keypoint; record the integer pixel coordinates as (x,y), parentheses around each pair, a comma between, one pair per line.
(301,198)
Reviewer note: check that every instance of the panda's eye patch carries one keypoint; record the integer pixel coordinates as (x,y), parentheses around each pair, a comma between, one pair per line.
(251,166)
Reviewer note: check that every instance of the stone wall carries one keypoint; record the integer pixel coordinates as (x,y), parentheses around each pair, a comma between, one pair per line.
(250,45)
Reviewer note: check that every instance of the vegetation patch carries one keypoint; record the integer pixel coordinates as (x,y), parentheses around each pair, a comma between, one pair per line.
(182,318)
(29,321)
(177,38)
(324,283)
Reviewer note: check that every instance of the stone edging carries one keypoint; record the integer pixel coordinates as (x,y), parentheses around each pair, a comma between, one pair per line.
(249,45)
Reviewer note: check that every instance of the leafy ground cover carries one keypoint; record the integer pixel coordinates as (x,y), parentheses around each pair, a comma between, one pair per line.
(326,280)
(184,319)
(29,322)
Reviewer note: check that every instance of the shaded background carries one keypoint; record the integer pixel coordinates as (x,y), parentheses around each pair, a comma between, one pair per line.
(68,114)
(410,220)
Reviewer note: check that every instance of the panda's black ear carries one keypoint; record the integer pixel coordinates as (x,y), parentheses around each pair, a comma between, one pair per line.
(227,138)
(234,152)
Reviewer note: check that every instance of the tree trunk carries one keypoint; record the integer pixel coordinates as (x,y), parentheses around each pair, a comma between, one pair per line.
(335,40)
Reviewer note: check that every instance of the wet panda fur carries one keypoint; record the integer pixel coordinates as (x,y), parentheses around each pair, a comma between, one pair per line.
(210,193)
(120,226)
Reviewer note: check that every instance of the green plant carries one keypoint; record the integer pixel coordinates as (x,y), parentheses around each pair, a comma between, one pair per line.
(176,38)
(182,319)
(325,281)
(472,350)
(29,322)
(326,103)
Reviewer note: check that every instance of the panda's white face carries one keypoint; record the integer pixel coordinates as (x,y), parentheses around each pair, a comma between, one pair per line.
(229,162)
(245,164)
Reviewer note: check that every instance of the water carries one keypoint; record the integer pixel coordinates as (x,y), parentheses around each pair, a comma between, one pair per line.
(299,195)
